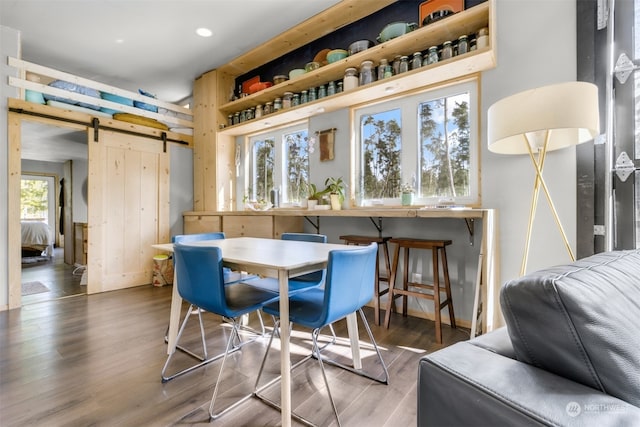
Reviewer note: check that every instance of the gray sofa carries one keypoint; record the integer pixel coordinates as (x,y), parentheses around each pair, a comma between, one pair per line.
(569,355)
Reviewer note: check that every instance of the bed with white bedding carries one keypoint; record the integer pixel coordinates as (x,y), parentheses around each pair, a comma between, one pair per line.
(37,235)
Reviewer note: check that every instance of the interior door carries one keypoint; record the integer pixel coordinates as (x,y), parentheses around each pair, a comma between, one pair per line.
(128,209)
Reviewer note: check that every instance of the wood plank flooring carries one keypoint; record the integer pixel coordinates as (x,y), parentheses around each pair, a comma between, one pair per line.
(96,361)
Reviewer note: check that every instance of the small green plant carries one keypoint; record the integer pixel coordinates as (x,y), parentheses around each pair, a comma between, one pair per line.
(313,192)
(335,186)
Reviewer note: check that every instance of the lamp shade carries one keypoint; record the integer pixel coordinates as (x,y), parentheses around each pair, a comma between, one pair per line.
(569,111)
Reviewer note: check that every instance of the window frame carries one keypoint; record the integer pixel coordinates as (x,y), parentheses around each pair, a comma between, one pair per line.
(410,148)
(279,173)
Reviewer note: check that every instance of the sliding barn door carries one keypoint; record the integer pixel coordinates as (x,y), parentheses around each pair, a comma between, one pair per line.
(128,209)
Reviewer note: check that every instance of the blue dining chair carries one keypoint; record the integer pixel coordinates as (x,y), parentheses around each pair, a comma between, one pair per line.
(201,284)
(348,287)
(230,277)
(299,283)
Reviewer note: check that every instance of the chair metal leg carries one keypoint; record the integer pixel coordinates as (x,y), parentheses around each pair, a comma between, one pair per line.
(204,360)
(235,334)
(362,373)
(316,352)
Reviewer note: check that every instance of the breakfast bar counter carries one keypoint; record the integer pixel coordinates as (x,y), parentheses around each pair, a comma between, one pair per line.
(273,222)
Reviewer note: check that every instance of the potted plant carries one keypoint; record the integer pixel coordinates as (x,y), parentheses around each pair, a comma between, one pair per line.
(406,194)
(313,196)
(336,190)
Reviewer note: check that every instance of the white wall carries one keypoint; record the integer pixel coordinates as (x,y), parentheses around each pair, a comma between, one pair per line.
(536,47)
(9,46)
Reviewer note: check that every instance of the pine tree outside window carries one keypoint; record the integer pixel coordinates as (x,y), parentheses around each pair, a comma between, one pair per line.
(428,142)
(280,160)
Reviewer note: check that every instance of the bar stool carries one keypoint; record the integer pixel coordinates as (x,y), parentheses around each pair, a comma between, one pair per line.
(437,248)
(351,239)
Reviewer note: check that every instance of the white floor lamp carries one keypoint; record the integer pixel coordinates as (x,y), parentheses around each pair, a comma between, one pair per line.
(540,120)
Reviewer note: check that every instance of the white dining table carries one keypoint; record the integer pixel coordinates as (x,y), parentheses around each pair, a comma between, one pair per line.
(279,259)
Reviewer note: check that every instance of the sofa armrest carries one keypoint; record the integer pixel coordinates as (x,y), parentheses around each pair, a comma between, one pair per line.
(466,385)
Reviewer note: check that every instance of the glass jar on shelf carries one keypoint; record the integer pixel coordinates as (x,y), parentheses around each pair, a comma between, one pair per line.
(286,100)
(268,108)
(236,117)
(331,88)
(230,120)
(396,64)
(382,68)
(339,88)
(277,105)
(366,73)
(416,60)
(463,45)
(404,64)
(258,112)
(312,94)
(350,80)
(482,38)
(447,50)
(295,100)
(432,56)
(304,97)
(322,91)
(250,114)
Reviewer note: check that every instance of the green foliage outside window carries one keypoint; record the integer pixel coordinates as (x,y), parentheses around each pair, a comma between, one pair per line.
(263,154)
(297,166)
(34,198)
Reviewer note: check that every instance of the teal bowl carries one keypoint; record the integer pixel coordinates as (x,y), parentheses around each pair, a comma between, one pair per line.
(336,55)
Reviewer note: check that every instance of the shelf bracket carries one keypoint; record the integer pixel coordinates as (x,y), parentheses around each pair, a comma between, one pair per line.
(95,123)
(471,228)
(315,225)
(377,225)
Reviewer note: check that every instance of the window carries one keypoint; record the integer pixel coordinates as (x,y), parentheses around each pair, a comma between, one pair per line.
(426,141)
(280,159)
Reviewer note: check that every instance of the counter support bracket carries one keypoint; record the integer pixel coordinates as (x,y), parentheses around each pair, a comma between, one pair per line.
(315,225)
(471,228)
(377,225)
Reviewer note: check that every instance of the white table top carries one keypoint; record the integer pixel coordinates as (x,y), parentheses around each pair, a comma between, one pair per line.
(260,255)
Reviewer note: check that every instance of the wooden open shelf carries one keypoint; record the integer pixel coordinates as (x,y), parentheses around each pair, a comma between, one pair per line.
(466,22)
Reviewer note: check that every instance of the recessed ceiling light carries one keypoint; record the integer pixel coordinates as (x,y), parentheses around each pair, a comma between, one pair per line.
(119,41)
(204,32)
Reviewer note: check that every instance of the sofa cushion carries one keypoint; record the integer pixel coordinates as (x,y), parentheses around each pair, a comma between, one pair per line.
(581,321)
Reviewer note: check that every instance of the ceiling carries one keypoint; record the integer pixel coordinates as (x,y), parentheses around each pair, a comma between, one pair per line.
(150,45)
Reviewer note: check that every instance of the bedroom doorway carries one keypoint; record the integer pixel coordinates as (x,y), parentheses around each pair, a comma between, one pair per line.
(52,158)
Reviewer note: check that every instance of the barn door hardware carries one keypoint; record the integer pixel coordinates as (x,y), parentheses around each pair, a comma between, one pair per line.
(624,67)
(624,166)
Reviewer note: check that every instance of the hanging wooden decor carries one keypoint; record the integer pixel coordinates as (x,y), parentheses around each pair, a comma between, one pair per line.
(327,139)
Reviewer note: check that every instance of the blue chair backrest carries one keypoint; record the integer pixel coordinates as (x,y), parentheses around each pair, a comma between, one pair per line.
(184,238)
(200,277)
(350,281)
(316,276)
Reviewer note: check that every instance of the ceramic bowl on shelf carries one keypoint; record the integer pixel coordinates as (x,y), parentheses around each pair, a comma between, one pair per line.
(359,46)
(395,29)
(336,55)
(257,87)
(321,57)
(296,72)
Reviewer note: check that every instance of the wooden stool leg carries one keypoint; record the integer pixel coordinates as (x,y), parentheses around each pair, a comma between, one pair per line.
(447,284)
(405,281)
(392,280)
(436,295)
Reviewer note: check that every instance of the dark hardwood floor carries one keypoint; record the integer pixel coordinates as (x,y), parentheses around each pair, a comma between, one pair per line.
(96,360)
(57,276)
